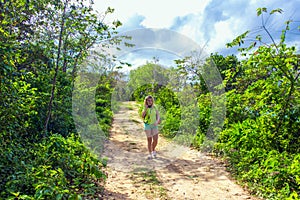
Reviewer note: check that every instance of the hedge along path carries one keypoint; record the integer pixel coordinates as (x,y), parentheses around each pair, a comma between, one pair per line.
(188,175)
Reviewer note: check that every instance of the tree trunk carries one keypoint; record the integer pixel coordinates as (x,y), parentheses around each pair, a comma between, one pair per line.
(56,68)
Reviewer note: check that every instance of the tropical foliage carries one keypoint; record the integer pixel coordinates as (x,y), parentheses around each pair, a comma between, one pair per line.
(42,45)
(48,91)
(260,136)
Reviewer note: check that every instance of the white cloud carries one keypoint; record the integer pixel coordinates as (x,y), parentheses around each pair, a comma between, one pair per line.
(211,22)
(160,14)
(157,13)
(224,34)
(142,56)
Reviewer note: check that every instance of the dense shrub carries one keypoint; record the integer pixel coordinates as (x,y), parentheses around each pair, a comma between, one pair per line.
(261,135)
(56,167)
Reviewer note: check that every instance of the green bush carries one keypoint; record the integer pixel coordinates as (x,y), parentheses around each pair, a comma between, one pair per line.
(249,147)
(104,104)
(171,122)
(54,168)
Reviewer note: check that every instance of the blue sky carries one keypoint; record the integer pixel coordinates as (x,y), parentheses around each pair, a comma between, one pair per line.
(209,23)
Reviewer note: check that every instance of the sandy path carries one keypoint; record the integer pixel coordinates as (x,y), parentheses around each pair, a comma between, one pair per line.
(177,173)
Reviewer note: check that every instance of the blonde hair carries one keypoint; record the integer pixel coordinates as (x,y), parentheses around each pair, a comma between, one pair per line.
(149,97)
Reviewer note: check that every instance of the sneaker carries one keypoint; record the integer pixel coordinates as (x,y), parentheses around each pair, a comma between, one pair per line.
(149,157)
(154,154)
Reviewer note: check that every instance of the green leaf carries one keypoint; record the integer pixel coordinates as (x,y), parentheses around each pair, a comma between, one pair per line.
(259,11)
(278,10)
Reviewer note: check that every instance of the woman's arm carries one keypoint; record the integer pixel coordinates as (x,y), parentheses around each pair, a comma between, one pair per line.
(145,109)
(144,112)
(157,118)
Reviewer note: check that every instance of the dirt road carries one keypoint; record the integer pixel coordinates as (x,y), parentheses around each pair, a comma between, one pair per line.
(177,172)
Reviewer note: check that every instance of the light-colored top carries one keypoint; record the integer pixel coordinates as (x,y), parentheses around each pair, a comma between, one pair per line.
(150,117)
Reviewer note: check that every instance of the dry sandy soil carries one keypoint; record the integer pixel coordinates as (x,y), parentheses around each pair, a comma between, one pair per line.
(177,173)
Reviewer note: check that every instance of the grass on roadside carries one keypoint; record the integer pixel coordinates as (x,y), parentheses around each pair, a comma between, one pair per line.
(147,179)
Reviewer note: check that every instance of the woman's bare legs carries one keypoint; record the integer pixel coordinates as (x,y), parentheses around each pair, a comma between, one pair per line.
(152,141)
(149,141)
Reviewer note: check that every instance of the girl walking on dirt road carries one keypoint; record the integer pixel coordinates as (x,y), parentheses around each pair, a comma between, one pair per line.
(151,118)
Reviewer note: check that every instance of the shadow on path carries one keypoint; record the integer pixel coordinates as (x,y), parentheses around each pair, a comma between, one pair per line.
(182,173)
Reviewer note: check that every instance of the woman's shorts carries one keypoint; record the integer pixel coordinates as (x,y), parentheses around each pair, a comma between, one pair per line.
(150,130)
(149,127)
